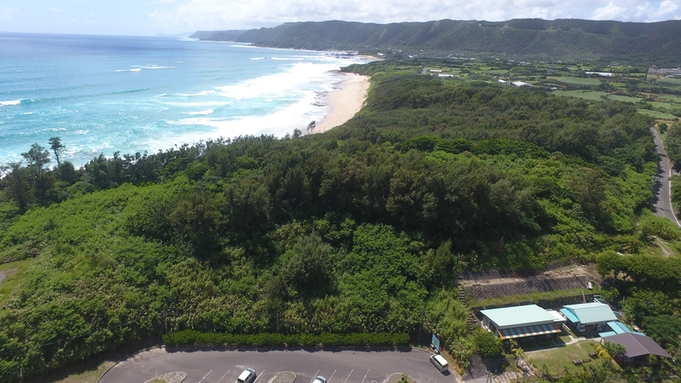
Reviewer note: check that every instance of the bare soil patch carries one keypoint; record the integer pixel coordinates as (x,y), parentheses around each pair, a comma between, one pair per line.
(494,284)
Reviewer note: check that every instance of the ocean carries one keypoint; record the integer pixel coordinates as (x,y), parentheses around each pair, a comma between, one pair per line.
(107,94)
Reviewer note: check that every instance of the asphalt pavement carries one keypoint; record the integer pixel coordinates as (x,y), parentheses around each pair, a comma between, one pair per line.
(661,204)
(225,366)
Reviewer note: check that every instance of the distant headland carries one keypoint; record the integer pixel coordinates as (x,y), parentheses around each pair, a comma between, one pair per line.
(658,42)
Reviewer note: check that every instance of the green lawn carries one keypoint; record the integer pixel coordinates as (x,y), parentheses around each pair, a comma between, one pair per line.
(576,81)
(556,359)
(583,94)
(671,81)
(671,98)
(657,114)
(623,98)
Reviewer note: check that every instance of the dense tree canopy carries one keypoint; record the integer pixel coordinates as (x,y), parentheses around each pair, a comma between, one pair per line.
(361,229)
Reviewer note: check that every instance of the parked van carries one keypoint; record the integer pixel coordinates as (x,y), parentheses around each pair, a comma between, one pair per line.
(438,361)
(248,376)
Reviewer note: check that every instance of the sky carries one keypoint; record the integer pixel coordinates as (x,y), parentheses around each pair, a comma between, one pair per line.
(152,17)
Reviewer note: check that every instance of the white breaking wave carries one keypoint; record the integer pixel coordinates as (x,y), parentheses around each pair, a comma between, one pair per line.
(294,80)
(198,94)
(51,130)
(10,103)
(153,67)
(202,113)
(279,122)
(197,104)
(129,70)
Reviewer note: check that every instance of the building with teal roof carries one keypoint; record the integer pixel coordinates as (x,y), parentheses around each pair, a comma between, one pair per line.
(588,317)
(521,321)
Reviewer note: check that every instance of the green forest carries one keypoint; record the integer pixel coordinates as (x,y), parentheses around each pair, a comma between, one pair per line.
(362,229)
(562,39)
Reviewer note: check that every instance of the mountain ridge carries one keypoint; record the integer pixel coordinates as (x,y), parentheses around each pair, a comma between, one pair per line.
(659,41)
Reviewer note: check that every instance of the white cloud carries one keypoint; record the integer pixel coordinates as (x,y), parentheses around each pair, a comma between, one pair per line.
(161,16)
(171,16)
(6,13)
(233,14)
(636,10)
(610,12)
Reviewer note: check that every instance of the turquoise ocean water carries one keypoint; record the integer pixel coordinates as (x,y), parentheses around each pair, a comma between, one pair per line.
(104,94)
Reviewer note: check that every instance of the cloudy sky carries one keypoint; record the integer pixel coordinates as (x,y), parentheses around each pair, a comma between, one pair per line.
(151,17)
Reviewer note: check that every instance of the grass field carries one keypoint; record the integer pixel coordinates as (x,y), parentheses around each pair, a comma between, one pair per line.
(666,107)
(657,114)
(623,98)
(576,81)
(670,98)
(556,359)
(671,81)
(13,275)
(583,94)
(88,373)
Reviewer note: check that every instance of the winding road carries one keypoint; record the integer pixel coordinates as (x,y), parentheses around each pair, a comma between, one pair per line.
(662,203)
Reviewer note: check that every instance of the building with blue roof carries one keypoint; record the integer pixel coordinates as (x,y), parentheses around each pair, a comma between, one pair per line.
(588,317)
(521,321)
(616,328)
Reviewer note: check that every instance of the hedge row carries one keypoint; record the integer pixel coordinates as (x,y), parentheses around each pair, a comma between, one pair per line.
(191,337)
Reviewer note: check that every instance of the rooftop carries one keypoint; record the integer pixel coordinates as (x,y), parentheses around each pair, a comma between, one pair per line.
(638,345)
(518,316)
(589,313)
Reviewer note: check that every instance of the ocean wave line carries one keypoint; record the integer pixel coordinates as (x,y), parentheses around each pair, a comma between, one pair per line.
(153,67)
(202,113)
(130,91)
(198,94)
(10,103)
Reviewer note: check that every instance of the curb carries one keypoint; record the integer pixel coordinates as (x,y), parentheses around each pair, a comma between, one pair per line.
(128,356)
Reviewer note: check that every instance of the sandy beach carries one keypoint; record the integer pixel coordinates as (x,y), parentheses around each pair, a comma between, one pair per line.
(344,102)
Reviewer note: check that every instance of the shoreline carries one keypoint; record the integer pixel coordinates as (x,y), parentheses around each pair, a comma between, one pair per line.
(344,102)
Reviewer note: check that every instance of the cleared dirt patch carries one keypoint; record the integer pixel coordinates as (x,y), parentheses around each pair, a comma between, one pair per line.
(496,284)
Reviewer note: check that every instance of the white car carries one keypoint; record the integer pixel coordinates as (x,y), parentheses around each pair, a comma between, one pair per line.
(248,376)
(319,379)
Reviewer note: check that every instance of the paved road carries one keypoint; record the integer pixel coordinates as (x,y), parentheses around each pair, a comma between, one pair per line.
(225,366)
(662,205)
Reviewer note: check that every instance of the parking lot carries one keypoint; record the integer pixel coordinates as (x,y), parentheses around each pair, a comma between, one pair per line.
(225,366)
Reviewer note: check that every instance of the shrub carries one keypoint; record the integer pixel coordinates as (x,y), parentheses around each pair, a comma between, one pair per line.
(194,338)
(487,344)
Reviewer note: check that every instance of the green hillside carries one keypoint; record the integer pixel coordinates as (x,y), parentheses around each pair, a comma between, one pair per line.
(658,42)
(360,229)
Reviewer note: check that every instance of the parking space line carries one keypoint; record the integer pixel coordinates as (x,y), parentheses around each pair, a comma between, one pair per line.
(204,377)
(346,379)
(365,376)
(259,375)
(334,373)
(223,376)
(314,376)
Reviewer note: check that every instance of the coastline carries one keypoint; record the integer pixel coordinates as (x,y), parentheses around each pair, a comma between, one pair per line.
(344,102)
